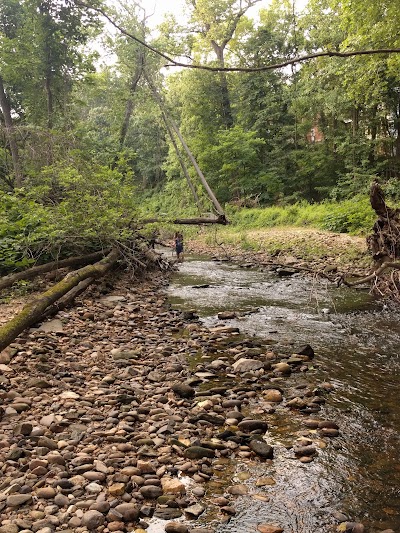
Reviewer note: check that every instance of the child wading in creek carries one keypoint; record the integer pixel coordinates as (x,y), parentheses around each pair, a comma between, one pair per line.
(179,246)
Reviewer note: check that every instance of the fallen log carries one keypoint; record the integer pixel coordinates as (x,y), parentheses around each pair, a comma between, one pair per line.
(35,271)
(33,311)
(190,221)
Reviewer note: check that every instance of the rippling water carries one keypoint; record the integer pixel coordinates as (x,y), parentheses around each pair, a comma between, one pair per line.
(357,345)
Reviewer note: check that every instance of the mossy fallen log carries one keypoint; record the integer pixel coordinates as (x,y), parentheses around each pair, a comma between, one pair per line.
(33,311)
(31,273)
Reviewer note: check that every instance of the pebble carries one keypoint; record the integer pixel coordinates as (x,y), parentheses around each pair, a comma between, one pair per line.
(107,424)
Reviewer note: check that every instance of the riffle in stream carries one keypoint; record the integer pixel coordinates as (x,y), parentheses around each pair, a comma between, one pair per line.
(356,342)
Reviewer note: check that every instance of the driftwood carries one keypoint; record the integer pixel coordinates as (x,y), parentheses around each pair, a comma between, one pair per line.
(33,311)
(35,271)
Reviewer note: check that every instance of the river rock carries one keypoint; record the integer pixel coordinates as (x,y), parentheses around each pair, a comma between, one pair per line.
(269,528)
(150,492)
(301,451)
(198,452)
(226,315)
(46,493)
(9,528)
(252,425)
(176,527)
(194,511)
(307,351)
(238,490)
(282,368)
(92,520)
(167,513)
(261,448)
(172,486)
(247,365)
(16,500)
(350,527)
(183,390)
(272,395)
(128,511)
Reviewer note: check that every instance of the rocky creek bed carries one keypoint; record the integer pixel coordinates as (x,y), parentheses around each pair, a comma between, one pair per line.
(107,427)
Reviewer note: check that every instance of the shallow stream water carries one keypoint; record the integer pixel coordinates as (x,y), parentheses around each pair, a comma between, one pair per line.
(357,345)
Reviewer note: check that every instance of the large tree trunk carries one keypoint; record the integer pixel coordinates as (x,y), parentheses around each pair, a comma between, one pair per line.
(10,134)
(226,110)
(34,310)
(31,273)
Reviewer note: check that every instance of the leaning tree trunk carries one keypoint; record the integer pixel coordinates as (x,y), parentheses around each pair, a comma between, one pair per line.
(34,310)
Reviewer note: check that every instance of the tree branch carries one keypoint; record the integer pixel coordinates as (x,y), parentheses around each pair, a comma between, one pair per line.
(173,63)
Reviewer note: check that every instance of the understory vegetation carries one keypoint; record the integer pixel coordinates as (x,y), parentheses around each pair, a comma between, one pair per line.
(91,120)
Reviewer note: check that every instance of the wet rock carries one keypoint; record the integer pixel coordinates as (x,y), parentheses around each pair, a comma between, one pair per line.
(350,527)
(327,424)
(167,513)
(194,511)
(247,365)
(307,351)
(328,432)
(176,527)
(198,452)
(269,528)
(93,519)
(311,423)
(252,425)
(229,510)
(238,490)
(301,451)
(261,448)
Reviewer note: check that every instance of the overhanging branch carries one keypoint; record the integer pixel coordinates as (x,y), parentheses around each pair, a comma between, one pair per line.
(285,63)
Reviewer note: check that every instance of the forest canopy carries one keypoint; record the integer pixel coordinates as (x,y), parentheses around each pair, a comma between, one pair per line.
(86,143)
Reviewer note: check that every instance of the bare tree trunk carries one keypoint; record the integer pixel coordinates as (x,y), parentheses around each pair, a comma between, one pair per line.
(10,134)
(226,110)
(182,162)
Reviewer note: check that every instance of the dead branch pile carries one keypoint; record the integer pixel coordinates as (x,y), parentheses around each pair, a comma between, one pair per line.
(134,256)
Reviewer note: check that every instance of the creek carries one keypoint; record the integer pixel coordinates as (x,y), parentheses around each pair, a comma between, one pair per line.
(356,343)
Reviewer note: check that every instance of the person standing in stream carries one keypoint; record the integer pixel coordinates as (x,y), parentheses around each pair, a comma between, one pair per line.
(179,246)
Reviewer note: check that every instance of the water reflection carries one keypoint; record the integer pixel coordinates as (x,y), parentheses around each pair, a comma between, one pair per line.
(357,345)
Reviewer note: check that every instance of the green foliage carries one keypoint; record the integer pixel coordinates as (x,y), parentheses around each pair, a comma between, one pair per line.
(65,211)
(351,216)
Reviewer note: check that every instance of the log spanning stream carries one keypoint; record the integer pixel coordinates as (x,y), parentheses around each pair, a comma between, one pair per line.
(356,342)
